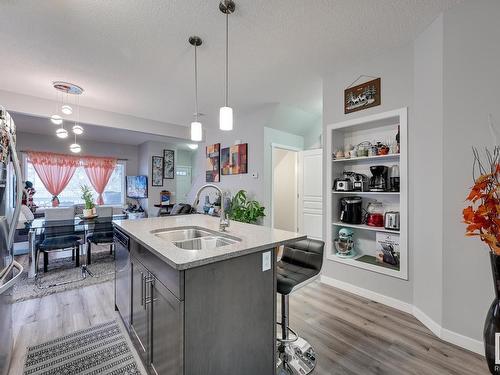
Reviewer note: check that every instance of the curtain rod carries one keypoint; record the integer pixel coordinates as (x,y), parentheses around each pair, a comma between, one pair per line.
(119,159)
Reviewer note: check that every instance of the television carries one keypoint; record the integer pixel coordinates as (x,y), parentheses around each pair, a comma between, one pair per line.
(137,187)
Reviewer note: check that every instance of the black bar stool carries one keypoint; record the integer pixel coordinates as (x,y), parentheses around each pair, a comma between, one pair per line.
(300,264)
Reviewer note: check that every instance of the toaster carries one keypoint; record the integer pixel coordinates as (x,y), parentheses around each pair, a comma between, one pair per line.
(391,220)
(342,184)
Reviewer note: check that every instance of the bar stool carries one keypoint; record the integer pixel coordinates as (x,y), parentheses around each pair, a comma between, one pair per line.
(300,264)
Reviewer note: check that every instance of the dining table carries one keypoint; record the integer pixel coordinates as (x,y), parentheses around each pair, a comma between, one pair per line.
(81,225)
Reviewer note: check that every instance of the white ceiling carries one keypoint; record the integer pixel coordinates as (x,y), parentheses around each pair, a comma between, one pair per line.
(132,57)
(38,125)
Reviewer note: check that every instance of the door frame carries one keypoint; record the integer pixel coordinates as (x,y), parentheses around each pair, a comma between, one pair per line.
(288,148)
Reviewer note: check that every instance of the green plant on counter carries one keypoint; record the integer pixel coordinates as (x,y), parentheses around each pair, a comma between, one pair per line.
(244,210)
(87,197)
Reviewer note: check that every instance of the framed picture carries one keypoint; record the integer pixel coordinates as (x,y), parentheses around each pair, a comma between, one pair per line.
(363,96)
(234,159)
(168,164)
(213,163)
(157,171)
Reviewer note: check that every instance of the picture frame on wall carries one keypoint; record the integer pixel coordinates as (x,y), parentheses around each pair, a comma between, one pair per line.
(234,159)
(168,164)
(213,163)
(157,171)
(362,96)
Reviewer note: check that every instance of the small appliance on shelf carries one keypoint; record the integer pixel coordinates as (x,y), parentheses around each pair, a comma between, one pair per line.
(344,243)
(375,214)
(394,178)
(378,181)
(360,182)
(350,211)
(391,220)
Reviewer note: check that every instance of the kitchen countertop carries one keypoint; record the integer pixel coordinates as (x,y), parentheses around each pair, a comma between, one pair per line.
(254,238)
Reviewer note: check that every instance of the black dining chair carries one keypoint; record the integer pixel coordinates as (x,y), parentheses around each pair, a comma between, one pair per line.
(100,231)
(59,234)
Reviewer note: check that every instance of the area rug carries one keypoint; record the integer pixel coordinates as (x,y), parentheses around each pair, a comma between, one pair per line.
(102,349)
(63,270)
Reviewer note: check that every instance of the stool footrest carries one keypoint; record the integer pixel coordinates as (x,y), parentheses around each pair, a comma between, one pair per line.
(293,339)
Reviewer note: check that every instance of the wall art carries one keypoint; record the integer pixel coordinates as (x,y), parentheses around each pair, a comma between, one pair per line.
(168,164)
(363,96)
(234,159)
(157,171)
(213,163)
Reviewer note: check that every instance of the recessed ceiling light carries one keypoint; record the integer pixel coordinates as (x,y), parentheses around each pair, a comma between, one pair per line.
(62,133)
(56,119)
(66,109)
(193,146)
(77,129)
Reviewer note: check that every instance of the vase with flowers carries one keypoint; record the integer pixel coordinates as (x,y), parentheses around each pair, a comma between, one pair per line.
(482,216)
(88,200)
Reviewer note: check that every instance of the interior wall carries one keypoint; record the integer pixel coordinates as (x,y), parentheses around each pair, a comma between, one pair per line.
(313,134)
(40,142)
(146,151)
(471,82)
(285,189)
(427,229)
(396,70)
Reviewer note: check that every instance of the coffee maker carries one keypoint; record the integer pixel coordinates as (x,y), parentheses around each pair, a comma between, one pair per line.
(379,180)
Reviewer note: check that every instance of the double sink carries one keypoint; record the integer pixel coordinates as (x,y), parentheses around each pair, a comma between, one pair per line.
(195,238)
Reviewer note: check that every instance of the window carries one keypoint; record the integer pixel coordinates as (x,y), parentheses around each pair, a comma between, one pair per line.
(114,194)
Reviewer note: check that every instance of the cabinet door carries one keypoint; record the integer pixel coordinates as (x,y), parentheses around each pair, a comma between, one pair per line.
(123,281)
(139,319)
(166,330)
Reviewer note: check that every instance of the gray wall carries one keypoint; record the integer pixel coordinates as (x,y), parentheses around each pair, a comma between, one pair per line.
(471,82)
(396,69)
(39,142)
(449,80)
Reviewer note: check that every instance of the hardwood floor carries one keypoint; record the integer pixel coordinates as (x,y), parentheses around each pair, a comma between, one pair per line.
(351,335)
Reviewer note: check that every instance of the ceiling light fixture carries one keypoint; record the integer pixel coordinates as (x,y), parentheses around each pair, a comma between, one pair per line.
(193,146)
(196,127)
(77,129)
(62,133)
(226,113)
(56,119)
(66,109)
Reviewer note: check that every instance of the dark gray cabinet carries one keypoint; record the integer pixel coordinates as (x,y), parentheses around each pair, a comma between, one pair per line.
(209,320)
(156,322)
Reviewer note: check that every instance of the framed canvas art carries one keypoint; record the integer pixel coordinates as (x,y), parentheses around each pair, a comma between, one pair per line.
(213,163)
(157,171)
(168,164)
(362,96)
(234,159)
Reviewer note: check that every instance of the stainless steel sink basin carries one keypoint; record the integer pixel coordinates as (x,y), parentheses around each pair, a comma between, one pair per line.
(195,238)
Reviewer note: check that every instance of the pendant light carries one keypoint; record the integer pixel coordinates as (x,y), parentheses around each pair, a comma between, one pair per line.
(66,109)
(196,127)
(56,119)
(226,113)
(62,133)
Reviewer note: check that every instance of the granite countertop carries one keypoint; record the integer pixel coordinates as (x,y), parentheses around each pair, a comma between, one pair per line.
(254,238)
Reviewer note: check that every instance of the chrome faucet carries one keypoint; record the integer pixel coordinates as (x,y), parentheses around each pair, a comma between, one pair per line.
(223,214)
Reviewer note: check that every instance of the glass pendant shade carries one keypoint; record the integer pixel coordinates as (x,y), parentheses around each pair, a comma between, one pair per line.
(226,118)
(56,119)
(75,147)
(196,131)
(77,129)
(62,133)
(66,109)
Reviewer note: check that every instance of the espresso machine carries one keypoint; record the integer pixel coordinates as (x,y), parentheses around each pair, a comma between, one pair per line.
(379,180)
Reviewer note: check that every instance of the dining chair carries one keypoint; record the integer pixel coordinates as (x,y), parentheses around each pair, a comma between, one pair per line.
(59,234)
(100,230)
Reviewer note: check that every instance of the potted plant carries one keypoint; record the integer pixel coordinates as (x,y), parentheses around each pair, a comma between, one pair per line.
(482,216)
(244,210)
(88,199)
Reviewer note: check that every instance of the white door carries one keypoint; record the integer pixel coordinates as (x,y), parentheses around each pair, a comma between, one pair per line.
(311,193)
(284,199)
(183,183)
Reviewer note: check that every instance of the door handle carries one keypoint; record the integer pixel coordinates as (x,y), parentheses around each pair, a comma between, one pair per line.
(151,281)
(142,289)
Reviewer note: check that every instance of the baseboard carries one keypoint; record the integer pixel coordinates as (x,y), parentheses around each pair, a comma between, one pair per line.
(465,342)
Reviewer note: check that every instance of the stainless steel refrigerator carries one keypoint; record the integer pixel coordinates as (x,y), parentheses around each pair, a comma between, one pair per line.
(10,206)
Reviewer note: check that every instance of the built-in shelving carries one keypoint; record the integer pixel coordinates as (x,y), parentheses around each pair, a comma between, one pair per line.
(364,227)
(379,127)
(368,158)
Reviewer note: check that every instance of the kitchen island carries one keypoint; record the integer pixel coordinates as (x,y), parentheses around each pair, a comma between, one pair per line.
(196,300)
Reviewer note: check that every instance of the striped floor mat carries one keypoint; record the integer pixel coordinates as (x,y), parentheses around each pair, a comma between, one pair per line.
(101,349)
